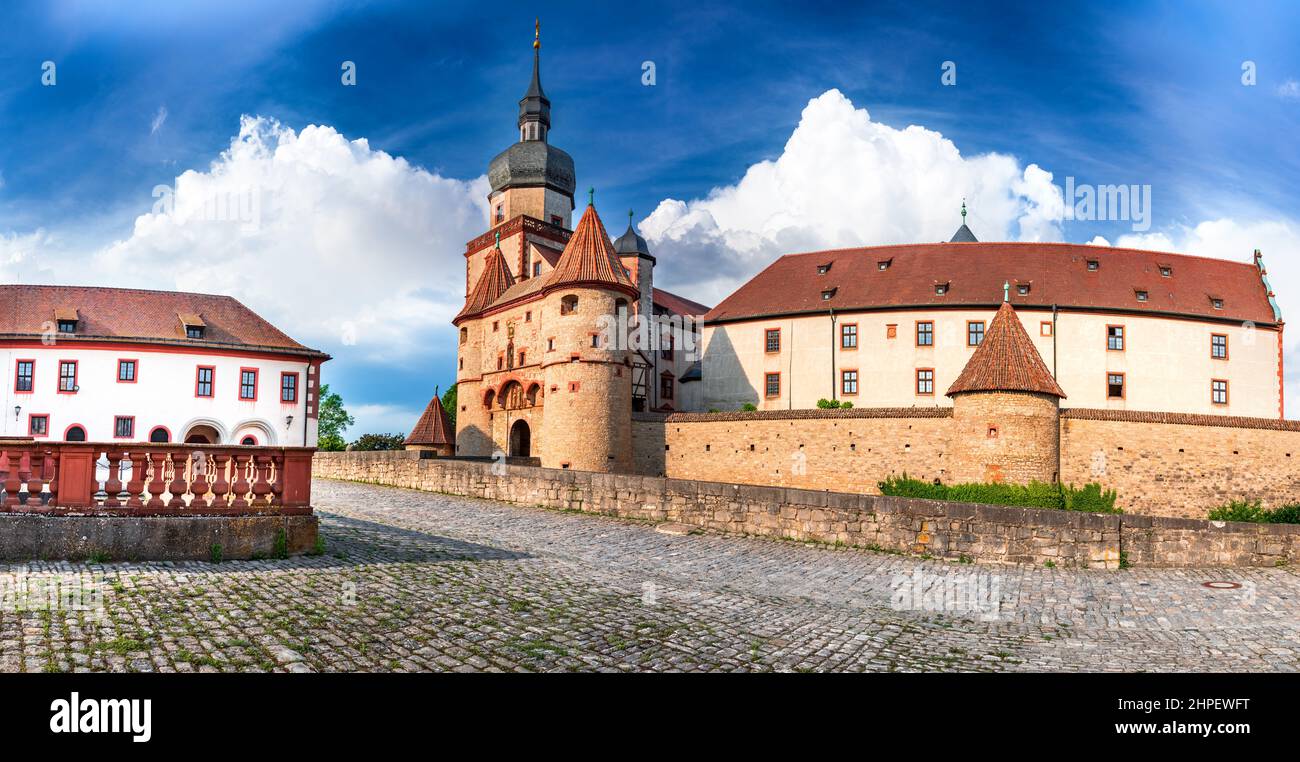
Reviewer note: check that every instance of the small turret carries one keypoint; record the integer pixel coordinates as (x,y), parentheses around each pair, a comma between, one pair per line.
(963,234)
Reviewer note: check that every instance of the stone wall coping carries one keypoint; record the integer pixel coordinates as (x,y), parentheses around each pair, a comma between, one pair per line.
(1184,419)
(802,414)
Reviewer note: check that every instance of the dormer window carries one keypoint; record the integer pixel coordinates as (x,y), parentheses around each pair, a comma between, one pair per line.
(195,328)
(1093,265)
(1166,271)
(1141,295)
(1216,303)
(1022,289)
(823,269)
(828,294)
(884,264)
(940,289)
(65,320)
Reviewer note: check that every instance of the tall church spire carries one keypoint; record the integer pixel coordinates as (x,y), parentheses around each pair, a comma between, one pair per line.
(535,107)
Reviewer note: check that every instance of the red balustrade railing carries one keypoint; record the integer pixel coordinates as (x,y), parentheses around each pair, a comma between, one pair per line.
(143,479)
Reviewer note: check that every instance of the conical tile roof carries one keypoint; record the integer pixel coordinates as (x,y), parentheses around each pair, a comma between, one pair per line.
(434,427)
(589,257)
(491,285)
(1006,361)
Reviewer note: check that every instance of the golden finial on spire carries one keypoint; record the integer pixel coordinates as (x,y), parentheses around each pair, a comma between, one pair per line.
(537,34)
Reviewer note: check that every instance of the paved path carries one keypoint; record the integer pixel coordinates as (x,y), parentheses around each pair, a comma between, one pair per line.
(419,581)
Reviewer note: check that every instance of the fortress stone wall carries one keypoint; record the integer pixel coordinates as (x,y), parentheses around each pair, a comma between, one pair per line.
(1160,464)
(955,531)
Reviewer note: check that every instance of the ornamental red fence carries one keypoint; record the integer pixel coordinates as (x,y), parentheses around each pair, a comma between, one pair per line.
(144,479)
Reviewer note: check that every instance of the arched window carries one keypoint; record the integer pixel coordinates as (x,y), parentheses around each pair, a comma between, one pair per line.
(464,335)
(534,393)
(489,398)
(249,440)
(75,434)
(160,434)
(568,304)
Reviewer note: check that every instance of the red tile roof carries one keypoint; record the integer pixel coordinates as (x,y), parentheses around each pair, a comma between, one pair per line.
(434,427)
(589,257)
(1056,273)
(123,314)
(678,305)
(1006,361)
(492,283)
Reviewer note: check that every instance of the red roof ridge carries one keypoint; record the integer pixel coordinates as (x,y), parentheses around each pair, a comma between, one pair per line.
(1006,361)
(1064,244)
(21,286)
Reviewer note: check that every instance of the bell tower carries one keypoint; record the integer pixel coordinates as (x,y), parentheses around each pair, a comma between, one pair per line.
(532,177)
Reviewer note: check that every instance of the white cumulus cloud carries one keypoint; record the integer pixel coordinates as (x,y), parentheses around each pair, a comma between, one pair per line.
(329,239)
(845,180)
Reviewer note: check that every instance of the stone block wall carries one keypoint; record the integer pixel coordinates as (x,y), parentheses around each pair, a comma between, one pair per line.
(1168,464)
(991,534)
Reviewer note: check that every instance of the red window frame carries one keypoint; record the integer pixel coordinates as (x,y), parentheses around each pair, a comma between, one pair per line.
(17,363)
(1123,337)
(1045,328)
(1123,385)
(118,418)
(1223,381)
(844,392)
(767,332)
(212,381)
(767,385)
(135,370)
(31,417)
(920,323)
(1223,336)
(253,437)
(917,388)
(256,382)
(844,334)
(296,380)
(76,372)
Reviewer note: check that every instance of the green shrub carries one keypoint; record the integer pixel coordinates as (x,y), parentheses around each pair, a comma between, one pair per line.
(1242,510)
(1089,498)
(846,404)
(749,407)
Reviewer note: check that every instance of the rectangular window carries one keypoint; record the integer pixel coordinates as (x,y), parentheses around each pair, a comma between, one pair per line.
(289,387)
(537,269)
(849,336)
(521,359)
(67,326)
(68,377)
(248,383)
(38,425)
(126,371)
(666,346)
(666,387)
(193,331)
(772,384)
(772,340)
(1045,328)
(1219,392)
(1115,386)
(25,376)
(1219,346)
(849,382)
(924,333)
(1115,338)
(595,341)
(925,381)
(203,381)
(124,427)
(974,332)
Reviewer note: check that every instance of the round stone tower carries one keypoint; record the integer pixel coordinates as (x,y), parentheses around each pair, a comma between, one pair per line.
(1006,410)
(588,298)
(473,434)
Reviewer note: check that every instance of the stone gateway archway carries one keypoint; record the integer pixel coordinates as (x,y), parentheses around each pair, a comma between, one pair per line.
(520,439)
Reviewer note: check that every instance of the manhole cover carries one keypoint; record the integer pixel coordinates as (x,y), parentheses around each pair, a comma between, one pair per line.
(1221,585)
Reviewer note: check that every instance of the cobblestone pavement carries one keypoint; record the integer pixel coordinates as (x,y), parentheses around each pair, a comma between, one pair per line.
(419,581)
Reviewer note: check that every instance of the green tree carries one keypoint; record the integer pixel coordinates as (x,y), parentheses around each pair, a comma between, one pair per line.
(334,420)
(380,442)
(449,404)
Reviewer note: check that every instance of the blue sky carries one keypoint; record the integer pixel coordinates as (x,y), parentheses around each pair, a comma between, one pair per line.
(1145,93)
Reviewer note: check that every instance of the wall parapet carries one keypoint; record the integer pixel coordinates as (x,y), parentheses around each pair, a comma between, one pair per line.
(1182,419)
(956,531)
